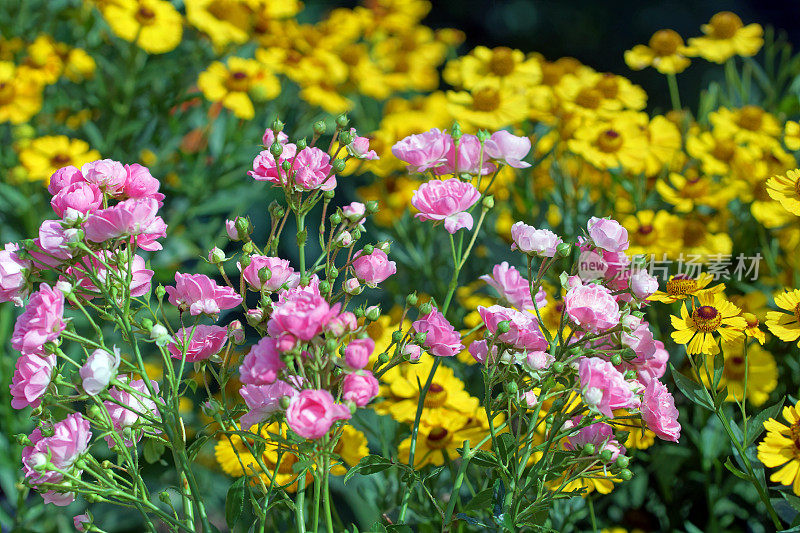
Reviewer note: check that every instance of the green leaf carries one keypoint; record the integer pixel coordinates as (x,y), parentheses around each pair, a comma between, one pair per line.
(755,426)
(371,464)
(692,389)
(234,502)
(152,450)
(484,459)
(399,528)
(480,502)
(735,471)
(505,446)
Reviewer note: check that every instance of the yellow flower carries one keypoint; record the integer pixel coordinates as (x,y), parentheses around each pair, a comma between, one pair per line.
(725,37)
(616,143)
(714,314)
(351,447)
(20,98)
(719,153)
(440,434)
(590,94)
(686,193)
(501,65)
(786,190)
(663,146)
(700,240)
(786,326)
(488,105)
(653,233)
(681,286)
(224,21)
(79,65)
(154,25)
(45,155)
(42,63)
(781,446)
(748,125)
(665,53)
(235,83)
(791,135)
(761,371)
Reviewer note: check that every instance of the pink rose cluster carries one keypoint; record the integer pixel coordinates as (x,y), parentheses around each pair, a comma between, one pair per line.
(512,287)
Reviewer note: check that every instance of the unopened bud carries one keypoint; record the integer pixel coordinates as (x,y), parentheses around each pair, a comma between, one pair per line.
(319,128)
(216,256)
(512,388)
(335,218)
(285,402)
(333,272)
(243,227)
(616,359)
(367,250)
(353,287)
(625,474)
(301,144)
(338,165)
(412,299)
(503,326)
(324,287)
(420,337)
(372,207)
(455,132)
(397,336)
(373,313)
(328,195)
(264,274)
(345,137)
(606,455)
(286,166)
(623,461)
(588,449)
(426,308)
(564,249)
(483,136)
(276,149)
(342,121)
(488,202)
(558,367)
(383,358)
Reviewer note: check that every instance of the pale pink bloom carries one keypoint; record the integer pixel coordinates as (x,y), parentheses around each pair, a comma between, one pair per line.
(31,378)
(643,284)
(139,183)
(280,273)
(262,363)
(263,400)
(81,521)
(637,336)
(659,412)
(141,276)
(539,360)
(236,332)
(530,399)
(600,434)
(359,148)
(352,286)
(358,351)
(106,174)
(199,344)
(480,351)
(515,289)
(70,440)
(54,240)
(80,196)
(448,201)
(469,157)
(424,150)
(342,324)
(608,234)
(265,168)
(412,351)
(654,367)
(354,212)
(592,307)
(125,412)
(591,266)
(63,177)
(200,294)
(312,170)
(135,217)
(98,370)
(13,275)
(42,321)
(532,241)
(230,229)
(374,268)
(299,316)
(312,413)
(269,138)
(508,148)
(360,387)
(603,387)
(524,332)
(442,338)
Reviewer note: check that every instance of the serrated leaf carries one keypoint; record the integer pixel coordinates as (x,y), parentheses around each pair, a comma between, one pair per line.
(234,502)
(371,464)
(484,459)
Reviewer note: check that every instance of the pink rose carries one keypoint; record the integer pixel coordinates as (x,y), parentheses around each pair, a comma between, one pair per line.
(654,367)
(423,151)
(265,168)
(446,201)
(532,241)
(63,177)
(42,321)
(603,387)
(98,370)
(262,363)
(280,273)
(523,333)
(374,268)
(200,294)
(508,148)
(599,434)
(269,138)
(299,316)
(480,351)
(659,412)
(80,196)
(592,307)
(312,170)
(312,412)
(263,400)
(135,217)
(342,324)
(140,279)
(539,360)
(358,351)
(354,212)
(359,147)
(608,234)
(205,342)
(107,175)
(469,157)
(360,387)
(139,183)
(637,336)
(124,413)
(643,284)
(442,338)
(54,240)
(81,521)
(515,289)
(31,378)
(13,275)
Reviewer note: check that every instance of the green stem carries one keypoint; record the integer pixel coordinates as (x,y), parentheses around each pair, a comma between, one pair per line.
(299,504)
(462,470)
(673,92)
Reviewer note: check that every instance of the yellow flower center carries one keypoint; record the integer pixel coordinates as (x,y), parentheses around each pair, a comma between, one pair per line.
(609,141)
(797,187)
(551,74)
(665,42)
(646,234)
(589,98)
(436,397)
(238,82)
(502,61)
(145,16)
(694,233)
(751,117)
(608,86)
(350,55)
(486,99)
(706,318)
(438,438)
(680,285)
(734,368)
(751,319)
(724,25)
(797,312)
(794,432)
(724,149)
(7,92)
(60,160)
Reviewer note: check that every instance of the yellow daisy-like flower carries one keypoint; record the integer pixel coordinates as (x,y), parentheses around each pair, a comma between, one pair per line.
(224,21)
(686,192)
(488,105)
(681,286)
(79,65)
(234,84)
(786,326)
(748,125)
(700,240)
(154,25)
(726,36)
(500,65)
(791,135)
(719,153)
(20,98)
(786,190)
(760,367)
(663,146)
(42,63)
(753,330)
(441,434)
(45,155)
(653,232)
(596,479)
(351,447)
(617,143)
(696,328)
(665,52)
(781,446)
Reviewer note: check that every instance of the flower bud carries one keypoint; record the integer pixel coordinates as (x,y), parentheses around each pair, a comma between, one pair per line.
(483,136)
(216,256)
(373,313)
(301,144)
(276,210)
(425,308)
(338,165)
(286,166)
(623,461)
(420,337)
(342,121)
(333,272)
(511,388)
(254,316)
(564,249)
(160,335)
(503,326)
(606,455)
(335,218)
(243,227)
(319,128)
(23,440)
(359,312)
(344,239)
(372,207)
(383,358)
(488,202)
(367,250)
(616,359)
(455,132)
(328,195)
(412,299)
(304,280)
(276,149)
(397,336)
(264,275)
(230,229)
(285,401)
(65,287)
(345,137)
(324,287)
(625,474)
(558,367)
(277,125)
(588,449)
